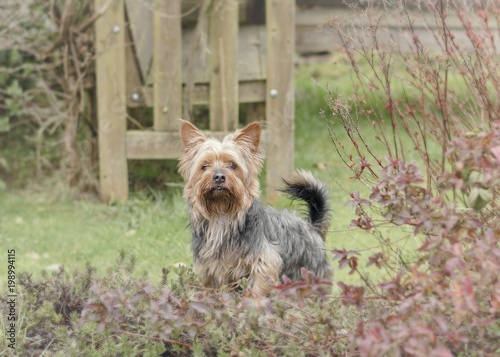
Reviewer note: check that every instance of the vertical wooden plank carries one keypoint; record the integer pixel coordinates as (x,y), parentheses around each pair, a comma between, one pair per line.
(135,95)
(280,101)
(167,65)
(224,66)
(140,16)
(111,101)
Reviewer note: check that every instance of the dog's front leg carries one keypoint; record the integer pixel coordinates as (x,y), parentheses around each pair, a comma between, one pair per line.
(264,272)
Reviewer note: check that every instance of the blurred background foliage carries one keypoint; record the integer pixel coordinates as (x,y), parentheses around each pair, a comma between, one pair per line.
(46,76)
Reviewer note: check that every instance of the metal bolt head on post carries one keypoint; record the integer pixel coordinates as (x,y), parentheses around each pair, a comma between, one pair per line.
(273,93)
(116,29)
(136,97)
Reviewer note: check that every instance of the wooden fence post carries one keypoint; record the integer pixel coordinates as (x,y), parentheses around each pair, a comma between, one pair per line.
(224,66)
(111,100)
(280,100)
(167,64)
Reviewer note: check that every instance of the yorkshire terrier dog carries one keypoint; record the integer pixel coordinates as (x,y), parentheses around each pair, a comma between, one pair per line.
(234,235)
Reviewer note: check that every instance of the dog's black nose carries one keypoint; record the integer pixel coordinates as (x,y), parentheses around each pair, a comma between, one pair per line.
(219,177)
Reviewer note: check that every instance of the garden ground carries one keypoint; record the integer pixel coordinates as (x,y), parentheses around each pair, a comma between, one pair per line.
(50,225)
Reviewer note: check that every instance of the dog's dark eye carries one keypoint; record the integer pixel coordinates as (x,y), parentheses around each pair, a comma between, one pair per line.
(204,167)
(233,166)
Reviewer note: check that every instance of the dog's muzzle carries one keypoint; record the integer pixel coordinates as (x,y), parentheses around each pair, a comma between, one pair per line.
(219,177)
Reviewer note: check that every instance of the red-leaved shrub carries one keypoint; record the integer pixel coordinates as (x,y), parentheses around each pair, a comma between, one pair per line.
(440,107)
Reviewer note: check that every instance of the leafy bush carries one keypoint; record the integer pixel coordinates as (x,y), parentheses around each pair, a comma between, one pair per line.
(81,313)
(47,87)
(443,110)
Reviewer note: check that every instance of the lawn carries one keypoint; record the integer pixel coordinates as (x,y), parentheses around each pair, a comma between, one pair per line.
(50,225)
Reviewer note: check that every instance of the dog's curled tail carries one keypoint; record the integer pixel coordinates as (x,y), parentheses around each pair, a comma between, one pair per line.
(304,185)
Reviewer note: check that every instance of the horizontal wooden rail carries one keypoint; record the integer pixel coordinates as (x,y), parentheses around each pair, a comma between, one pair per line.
(162,145)
(249,92)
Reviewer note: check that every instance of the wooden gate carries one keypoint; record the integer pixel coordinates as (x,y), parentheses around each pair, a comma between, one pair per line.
(240,64)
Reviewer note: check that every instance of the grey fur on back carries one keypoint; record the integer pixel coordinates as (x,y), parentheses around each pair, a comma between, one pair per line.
(296,241)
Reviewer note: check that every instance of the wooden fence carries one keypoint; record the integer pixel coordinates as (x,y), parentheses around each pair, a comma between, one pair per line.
(243,64)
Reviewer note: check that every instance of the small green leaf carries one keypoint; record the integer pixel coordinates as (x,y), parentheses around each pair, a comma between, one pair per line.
(28,69)
(3,78)
(485,195)
(4,125)
(15,57)
(465,173)
(13,106)
(14,89)
(197,350)
(475,177)
(478,198)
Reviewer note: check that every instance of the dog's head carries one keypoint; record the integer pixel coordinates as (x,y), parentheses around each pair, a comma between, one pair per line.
(221,177)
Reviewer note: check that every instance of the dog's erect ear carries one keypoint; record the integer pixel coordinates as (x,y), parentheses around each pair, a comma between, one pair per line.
(249,136)
(191,136)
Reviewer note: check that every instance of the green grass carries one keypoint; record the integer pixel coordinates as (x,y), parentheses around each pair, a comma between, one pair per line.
(48,227)
(67,232)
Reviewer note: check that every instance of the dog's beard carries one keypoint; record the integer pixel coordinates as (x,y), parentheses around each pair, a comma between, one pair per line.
(220,200)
